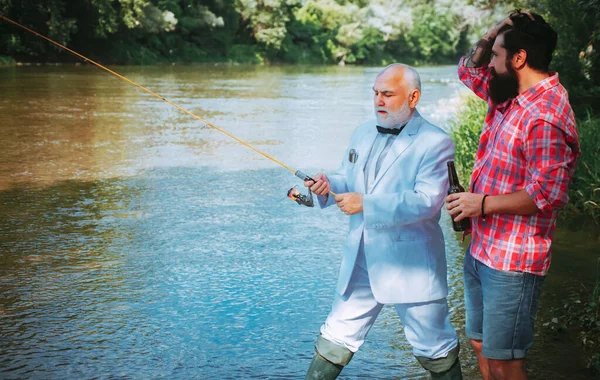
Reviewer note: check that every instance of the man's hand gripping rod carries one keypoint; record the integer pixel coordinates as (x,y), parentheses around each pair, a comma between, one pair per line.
(304,200)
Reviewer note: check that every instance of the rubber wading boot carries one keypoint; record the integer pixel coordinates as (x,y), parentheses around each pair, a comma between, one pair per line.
(328,361)
(322,369)
(447,368)
(454,373)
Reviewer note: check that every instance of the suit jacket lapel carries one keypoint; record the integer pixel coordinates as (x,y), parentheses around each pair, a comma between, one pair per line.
(402,142)
(364,149)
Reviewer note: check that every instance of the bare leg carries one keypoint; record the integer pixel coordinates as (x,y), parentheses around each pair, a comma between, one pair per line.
(507,369)
(484,366)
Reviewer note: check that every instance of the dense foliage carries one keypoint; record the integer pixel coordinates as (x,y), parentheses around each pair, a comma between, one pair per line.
(577,57)
(291,31)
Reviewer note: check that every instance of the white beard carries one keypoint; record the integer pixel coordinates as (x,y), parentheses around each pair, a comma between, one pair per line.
(391,120)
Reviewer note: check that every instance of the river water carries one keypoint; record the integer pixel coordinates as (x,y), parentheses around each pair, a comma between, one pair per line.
(136,242)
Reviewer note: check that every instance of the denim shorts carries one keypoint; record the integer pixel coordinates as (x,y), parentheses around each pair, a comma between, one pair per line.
(500,307)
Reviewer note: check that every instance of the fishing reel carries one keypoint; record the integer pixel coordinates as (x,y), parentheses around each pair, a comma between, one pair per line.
(301,199)
(296,195)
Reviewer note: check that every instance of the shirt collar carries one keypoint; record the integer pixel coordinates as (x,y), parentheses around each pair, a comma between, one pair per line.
(533,92)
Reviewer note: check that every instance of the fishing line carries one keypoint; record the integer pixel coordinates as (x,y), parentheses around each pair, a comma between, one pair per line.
(297,173)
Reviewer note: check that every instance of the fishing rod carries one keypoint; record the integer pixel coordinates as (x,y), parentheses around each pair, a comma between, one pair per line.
(293,193)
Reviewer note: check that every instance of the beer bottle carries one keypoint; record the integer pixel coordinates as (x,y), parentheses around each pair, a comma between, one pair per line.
(455,187)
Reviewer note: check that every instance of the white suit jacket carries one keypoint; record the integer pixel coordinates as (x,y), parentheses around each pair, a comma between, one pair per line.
(403,242)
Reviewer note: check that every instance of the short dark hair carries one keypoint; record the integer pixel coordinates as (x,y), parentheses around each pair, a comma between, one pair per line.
(535,36)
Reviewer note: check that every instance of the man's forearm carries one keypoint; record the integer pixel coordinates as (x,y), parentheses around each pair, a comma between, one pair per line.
(517,203)
(480,54)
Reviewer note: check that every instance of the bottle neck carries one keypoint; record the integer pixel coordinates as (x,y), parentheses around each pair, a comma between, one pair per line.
(452,176)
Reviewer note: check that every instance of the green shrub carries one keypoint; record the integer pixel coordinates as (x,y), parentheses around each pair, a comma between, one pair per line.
(245,54)
(584,191)
(466,129)
(6,61)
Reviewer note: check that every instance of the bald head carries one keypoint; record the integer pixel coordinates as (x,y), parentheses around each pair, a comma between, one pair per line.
(404,75)
(397,91)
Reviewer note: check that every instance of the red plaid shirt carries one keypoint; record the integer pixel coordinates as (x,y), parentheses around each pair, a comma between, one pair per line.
(529,142)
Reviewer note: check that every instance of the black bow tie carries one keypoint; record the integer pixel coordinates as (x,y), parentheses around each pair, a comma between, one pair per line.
(391,131)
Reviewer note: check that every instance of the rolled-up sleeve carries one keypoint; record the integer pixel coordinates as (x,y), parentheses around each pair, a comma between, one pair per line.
(550,163)
(475,78)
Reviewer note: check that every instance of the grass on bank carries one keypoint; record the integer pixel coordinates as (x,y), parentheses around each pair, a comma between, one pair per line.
(584,200)
(7,61)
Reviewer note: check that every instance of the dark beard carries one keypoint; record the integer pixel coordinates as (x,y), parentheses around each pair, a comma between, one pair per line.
(503,86)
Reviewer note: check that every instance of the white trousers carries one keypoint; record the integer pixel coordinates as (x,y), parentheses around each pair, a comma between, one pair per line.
(427,325)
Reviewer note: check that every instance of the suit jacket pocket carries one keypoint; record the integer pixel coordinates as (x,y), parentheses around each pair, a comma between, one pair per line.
(409,236)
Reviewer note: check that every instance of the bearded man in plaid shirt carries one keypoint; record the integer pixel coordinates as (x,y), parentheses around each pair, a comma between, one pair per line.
(525,160)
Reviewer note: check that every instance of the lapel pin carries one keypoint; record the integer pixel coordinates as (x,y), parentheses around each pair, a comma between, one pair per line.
(352,156)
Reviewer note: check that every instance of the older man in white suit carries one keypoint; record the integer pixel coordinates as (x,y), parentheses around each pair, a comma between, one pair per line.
(392,183)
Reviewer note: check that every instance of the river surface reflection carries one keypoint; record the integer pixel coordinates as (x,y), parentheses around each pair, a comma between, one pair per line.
(136,242)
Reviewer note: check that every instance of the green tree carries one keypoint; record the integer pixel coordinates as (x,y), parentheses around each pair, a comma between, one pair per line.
(577,57)
(436,34)
(267,19)
(47,17)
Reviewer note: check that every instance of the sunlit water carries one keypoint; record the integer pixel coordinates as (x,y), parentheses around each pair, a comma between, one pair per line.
(136,242)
